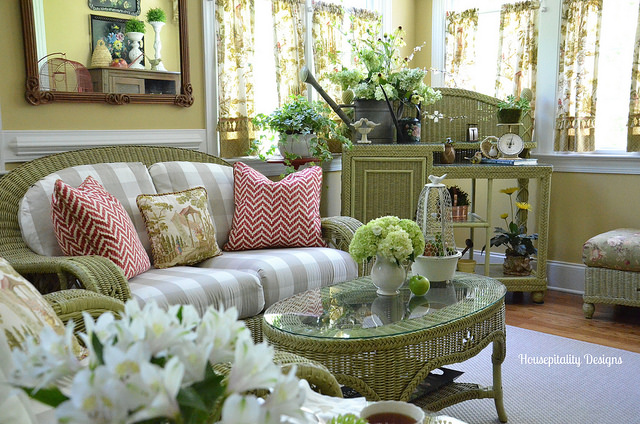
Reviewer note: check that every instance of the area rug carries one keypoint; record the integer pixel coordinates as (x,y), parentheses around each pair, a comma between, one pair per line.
(554,380)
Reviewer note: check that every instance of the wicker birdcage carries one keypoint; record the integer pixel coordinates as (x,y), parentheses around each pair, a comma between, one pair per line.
(435,219)
(60,74)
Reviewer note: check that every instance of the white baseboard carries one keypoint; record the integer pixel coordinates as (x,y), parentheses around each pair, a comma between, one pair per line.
(562,276)
(22,146)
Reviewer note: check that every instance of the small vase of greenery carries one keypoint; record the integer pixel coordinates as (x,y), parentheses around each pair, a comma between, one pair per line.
(304,129)
(459,202)
(134,25)
(156,14)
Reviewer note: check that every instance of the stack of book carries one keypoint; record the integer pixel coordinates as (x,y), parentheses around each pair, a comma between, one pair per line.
(510,162)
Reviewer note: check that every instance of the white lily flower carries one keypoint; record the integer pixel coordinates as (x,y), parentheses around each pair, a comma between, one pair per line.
(253,368)
(239,409)
(95,397)
(163,385)
(43,362)
(223,329)
(195,358)
(287,397)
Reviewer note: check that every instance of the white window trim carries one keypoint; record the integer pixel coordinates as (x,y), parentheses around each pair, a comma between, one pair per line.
(599,162)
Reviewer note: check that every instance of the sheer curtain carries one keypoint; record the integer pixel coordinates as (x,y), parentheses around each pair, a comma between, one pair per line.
(235,40)
(289,47)
(517,48)
(460,49)
(578,75)
(633,125)
(328,40)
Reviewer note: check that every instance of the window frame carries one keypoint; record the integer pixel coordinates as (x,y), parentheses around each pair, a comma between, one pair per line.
(598,162)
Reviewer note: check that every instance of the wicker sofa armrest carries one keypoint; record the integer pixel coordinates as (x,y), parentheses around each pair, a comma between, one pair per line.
(94,273)
(70,304)
(338,231)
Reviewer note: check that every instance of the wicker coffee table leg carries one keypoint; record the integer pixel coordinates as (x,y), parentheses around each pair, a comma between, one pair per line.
(497,358)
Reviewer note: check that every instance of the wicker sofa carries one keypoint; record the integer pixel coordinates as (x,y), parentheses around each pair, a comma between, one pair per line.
(249,280)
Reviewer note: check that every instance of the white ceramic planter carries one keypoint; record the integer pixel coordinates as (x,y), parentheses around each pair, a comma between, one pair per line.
(436,268)
(394,407)
(387,276)
(297,144)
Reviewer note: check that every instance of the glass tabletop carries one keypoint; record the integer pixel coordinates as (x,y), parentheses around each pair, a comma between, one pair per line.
(354,310)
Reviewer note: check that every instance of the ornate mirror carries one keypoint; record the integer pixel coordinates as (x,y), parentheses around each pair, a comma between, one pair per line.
(161,87)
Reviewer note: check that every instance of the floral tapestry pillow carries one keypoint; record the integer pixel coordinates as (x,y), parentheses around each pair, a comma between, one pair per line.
(179,226)
(23,310)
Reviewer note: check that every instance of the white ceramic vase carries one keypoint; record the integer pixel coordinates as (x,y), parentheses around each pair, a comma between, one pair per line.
(135,54)
(297,144)
(387,276)
(157,45)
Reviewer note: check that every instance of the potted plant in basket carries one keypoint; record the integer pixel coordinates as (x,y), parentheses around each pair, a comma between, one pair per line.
(519,245)
(459,203)
(134,30)
(510,109)
(304,129)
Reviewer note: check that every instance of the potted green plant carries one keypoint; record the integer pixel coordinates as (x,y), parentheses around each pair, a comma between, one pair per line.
(157,19)
(156,14)
(134,30)
(304,129)
(519,245)
(459,202)
(510,110)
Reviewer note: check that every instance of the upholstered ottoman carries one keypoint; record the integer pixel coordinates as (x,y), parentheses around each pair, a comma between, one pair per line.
(613,269)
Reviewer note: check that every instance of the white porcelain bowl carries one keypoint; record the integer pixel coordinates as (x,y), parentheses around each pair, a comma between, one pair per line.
(436,268)
(393,406)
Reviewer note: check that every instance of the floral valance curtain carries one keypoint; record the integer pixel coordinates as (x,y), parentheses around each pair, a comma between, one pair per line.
(633,125)
(235,40)
(460,48)
(289,47)
(517,49)
(327,36)
(578,75)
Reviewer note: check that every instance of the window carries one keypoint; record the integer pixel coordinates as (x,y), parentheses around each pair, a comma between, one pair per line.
(617,35)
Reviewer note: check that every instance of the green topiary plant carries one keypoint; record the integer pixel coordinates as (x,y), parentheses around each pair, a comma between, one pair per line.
(134,25)
(156,15)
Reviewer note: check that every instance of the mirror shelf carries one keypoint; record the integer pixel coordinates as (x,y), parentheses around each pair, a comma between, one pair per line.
(36,96)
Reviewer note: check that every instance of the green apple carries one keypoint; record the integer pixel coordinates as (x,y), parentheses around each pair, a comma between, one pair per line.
(419,285)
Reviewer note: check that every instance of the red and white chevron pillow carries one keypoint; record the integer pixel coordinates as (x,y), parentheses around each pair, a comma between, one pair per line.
(283,213)
(89,221)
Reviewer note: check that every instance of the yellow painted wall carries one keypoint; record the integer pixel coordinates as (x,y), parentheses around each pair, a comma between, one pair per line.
(17,114)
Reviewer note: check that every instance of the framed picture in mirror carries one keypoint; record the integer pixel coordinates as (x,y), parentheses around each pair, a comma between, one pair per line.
(111,31)
(130,7)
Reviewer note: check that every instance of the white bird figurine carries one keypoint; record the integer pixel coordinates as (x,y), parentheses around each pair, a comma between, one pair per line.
(437,181)
(364,127)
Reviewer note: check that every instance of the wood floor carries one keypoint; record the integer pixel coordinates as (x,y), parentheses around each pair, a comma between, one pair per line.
(561,314)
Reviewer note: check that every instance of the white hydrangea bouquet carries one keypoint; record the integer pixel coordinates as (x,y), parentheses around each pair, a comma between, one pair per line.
(398,240)
(155,366)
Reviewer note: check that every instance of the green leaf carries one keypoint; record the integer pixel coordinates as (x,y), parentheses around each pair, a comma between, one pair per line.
(98,348)
(52,397)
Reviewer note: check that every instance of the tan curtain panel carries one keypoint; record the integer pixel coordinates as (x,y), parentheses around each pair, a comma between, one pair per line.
(633,125)
(235,39)
(578,75)
(326,24)
(460,49)
(289,47)
(517,49)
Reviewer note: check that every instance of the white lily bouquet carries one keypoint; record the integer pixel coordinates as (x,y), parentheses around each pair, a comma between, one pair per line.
(155,366)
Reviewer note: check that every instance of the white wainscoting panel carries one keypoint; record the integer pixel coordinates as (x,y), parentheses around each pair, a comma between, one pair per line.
(22,146)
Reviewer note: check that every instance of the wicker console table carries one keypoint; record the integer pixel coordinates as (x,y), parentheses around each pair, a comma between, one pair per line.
(385,346)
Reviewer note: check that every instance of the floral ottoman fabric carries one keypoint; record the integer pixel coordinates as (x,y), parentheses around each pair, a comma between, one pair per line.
(617,249)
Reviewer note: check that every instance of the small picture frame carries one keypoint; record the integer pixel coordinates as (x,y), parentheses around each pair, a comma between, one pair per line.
(472,132)
(130,7)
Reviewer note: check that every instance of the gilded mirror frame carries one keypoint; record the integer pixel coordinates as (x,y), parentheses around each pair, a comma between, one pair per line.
(36,96)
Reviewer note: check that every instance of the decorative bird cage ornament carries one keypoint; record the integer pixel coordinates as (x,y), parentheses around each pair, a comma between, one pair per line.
(435,219)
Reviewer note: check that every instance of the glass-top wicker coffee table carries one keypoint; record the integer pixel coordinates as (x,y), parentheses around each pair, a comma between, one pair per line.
(385,346)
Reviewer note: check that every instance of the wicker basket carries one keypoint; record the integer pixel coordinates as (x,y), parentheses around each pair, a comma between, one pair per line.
(101,57)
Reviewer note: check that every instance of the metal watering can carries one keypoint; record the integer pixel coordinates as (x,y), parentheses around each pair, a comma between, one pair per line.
(369,109)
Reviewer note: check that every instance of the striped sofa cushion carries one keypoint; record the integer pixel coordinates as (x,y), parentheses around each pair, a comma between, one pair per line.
(125,181)
(200,287)
(288,271)
(216,179)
